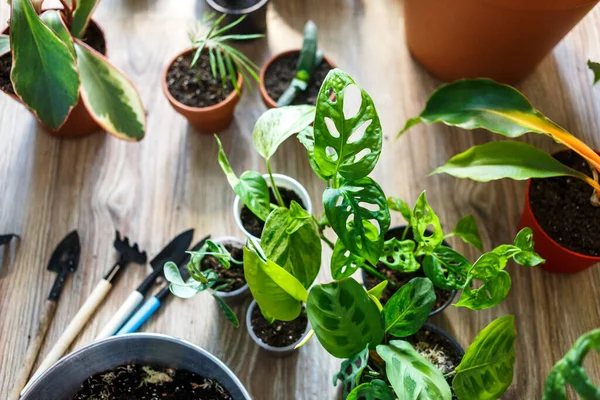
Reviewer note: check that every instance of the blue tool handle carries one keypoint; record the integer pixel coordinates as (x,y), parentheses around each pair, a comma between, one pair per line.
(140,316)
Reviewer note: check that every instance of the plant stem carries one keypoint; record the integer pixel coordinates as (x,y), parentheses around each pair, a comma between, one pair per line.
(329,242)
(274,186)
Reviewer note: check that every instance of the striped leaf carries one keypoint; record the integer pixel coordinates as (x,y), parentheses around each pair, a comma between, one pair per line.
(82,16)
(406,311)
(109,96)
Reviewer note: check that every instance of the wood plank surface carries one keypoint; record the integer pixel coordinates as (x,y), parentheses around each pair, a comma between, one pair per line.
(171,181)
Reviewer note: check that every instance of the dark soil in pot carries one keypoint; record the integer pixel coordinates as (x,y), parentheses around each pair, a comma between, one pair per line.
(234,274)
(281,72)
(255,225)
(279,333)
(562,207)
(195,86)
(93,38)
(129,382)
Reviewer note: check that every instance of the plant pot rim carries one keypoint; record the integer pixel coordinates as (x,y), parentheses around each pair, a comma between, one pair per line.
(236,11)
(231,97)
(436,311)
(263,90)
(273,349)
(244,289)
(446,335)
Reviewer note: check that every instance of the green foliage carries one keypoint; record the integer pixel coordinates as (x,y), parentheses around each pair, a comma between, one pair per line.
(399,255)
(351,371)
(486,370)
(81,17)
(374,390)
(595,67)
(447,268)
(467,230)
(343,262)
(396,204)
(570,371)
(227,311)
(407,310)
(426,226)
(4,44)
(54,21)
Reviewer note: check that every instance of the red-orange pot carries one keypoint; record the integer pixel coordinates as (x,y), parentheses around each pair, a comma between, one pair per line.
(269,102)
(79,122)
(559,259)
(205,119)
(500,39)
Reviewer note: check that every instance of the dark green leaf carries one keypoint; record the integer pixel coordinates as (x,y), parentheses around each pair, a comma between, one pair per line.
(486,370)
(527,256)
(43,73)
(54,21)
(446,268)
(374,390)
(358,213)
(426,226)
(491,293)
(228,312)
(595,67)
(407,310)
(344,317)
(343,262)
(394,203)
(348,147)
(82,16)
(467,230)
(399,255)
(411,375)
(351,370)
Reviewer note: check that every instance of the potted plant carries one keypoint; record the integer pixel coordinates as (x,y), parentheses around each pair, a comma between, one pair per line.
(558,207)
(499,39)
(139,365)
(295,76)
(82,92)
(204,82)
(254,10)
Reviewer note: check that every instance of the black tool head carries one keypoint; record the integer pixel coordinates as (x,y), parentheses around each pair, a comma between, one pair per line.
(127,252)
(66,255)
(5,239)
(174,251)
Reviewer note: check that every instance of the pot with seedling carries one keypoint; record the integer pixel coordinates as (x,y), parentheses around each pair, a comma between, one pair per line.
(562,202)
(204,83)
(82,92)
(295,76)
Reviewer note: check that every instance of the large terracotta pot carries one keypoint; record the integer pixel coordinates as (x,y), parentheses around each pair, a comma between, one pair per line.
(208,120)
(500,39)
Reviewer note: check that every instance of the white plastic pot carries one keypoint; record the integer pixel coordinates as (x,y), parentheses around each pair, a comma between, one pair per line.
(240,294)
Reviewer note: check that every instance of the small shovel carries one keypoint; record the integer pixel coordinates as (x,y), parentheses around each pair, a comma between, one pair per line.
(127,254)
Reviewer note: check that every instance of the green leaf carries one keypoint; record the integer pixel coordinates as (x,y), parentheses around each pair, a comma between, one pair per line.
(359,215)
(351,370)
(396,204)
(276,125)
(411,375)
(290,238)
(343,262)
(570,371)
(43,74)
(54,21)
(265,280)
(527,256)
(109,96)
(595,67)
(374,390)
(251,187)
(227,311)
(82,16)
(407,310)
(307,138)
(467,230)
(172,273)
(426,226)
(348,147)
(491,293)
(377,290)
(4,44)
(306,60)
(399,255)
(187,291)
(486,370)
(498,160)
(447,268)
(344,317)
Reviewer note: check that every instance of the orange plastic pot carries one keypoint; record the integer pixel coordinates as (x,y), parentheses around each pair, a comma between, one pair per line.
(205,119)
(500,39)
(268,100)
(559,259)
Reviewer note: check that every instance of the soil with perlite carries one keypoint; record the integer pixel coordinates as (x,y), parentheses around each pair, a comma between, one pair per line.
(234,275)
(279,333)
(562,207)
(280,73)
(255,225)
(140,382)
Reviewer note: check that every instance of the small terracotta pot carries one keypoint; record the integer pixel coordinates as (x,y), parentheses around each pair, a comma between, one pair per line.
(559,259)
(79,122)
(268,100)
(500,39)
(207,120)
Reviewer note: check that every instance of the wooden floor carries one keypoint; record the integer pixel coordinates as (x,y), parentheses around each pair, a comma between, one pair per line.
(171,181)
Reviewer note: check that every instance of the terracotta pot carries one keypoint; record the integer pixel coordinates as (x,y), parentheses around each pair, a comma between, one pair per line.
(269,102)
(501,39)
(559,259)
(79,122)
(205,119)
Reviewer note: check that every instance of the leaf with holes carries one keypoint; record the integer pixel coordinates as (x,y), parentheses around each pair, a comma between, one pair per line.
(343,262)
(81,17)
(411,375)
(399,255)
(424,217)
(374,390)
(467,230)
(407,310)
(486,370)
(351,370)
(227,311)
(447,268)
(527,256)
(359,215)
(394,203)
(344,317)
(348,146)
(491,293)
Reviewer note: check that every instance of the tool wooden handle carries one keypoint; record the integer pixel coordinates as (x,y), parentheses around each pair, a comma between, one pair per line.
(121,316)
(74,327)
(34,348)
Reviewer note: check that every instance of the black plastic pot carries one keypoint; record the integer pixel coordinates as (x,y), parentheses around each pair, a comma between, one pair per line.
(395,232)
(255,11)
